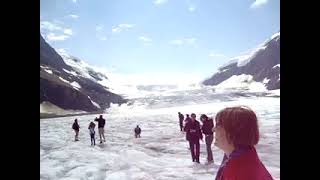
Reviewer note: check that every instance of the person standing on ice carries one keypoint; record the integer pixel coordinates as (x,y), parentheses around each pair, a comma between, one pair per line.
(92,133)
(76,128)
(187,119)
(101,123)
(181,118)
(137,131)
(237,133)
(193,133)
(207,128)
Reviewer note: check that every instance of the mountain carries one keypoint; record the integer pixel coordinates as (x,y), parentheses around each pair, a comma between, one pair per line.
(260,65)
(70,88)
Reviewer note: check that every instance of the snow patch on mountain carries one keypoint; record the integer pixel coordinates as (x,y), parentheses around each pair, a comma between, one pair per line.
(70,72)
(48,71)
(94,103)
(265,80)
(49,108)
(242,81)
(64,80)
(75,85)
(278,65)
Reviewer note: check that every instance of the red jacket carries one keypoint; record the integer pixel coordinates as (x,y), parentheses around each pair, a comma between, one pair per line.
(246,166)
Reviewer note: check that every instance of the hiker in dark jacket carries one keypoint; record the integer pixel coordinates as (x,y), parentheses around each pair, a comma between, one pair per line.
(92,133)
(194,134)
(181,118)
(207,127)
(187,120)
(76,128)
(101,123)
(137,131)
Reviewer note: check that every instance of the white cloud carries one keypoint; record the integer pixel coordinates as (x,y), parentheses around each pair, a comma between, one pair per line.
(99,27)
(191,9)
(74,16)
(103,38)
(74,1)
(50,29)
(158,2)
(100,32)
(121,27)
(190,40)
(62,51)
(219,55)
(183,41)
(191,6)
(145,39)
(126,25)
(46,25)
(176,42)
(58,22)
(68,31)
(54,37)
(115,29)
(258,3)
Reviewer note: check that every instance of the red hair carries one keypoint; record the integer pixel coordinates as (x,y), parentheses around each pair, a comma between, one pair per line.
(240,124)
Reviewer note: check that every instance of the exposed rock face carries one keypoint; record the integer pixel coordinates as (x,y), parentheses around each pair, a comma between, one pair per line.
(71,90)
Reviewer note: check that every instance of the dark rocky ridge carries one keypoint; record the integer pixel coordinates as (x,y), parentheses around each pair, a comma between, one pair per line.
(64,95)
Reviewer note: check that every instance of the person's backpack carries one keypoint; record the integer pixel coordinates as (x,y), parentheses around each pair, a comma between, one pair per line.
(91,130)
(181,117)
(137,130)
(74,126)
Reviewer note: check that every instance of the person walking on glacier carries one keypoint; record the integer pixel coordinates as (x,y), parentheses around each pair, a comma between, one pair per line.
(101,123)
(181,118)
(92,133)
(207,130)
(76,128)
(137,131)
(194,134)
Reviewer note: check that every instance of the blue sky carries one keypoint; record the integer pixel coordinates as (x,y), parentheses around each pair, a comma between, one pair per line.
(158,36)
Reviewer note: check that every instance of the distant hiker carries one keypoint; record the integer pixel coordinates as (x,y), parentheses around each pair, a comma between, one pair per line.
(207,127)
(201,119)
(237,133)
(137,131)
(92,133)
(76,128)
(187,119)
(101,123)
(181,118)
(194,134)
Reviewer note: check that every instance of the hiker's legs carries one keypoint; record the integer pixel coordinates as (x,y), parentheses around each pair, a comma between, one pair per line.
(209,140)
(76,136)
(191,144)
(103,135)
(91,139)
(197,154)
(100,134)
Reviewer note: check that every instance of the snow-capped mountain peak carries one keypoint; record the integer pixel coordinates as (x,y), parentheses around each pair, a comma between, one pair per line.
(263,62)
